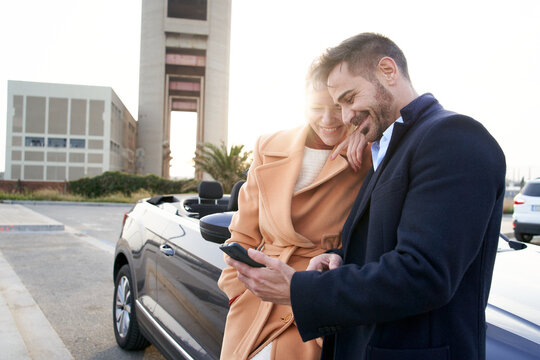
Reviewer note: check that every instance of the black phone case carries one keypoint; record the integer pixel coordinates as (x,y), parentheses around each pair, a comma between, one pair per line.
(237,252)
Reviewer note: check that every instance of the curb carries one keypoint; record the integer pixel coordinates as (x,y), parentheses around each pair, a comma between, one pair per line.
(30,335)
(18,218)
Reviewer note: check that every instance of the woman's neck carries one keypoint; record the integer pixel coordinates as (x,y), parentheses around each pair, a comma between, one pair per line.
(313,141)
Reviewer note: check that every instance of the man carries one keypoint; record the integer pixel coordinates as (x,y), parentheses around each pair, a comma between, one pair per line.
(413,276)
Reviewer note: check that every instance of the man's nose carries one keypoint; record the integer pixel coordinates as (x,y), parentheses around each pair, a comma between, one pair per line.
(347,115)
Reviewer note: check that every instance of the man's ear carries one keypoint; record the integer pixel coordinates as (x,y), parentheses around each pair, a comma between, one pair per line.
(387,70)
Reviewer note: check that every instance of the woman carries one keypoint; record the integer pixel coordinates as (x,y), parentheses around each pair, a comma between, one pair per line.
(293,206)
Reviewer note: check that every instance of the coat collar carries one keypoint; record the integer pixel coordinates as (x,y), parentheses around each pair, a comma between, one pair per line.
(415,110)
(282,161)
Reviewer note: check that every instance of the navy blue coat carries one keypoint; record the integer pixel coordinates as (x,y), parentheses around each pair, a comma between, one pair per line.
(419,247)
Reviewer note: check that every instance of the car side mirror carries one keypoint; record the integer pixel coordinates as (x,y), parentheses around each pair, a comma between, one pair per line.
(215,227)
(516,245)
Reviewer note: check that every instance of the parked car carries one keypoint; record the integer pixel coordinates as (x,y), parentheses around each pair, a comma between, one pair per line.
(167,264)
(526,217)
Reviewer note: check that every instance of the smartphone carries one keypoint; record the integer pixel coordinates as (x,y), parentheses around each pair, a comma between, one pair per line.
(237,252)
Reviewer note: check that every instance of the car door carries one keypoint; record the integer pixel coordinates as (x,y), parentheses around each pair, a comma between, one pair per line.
(190,305)
(142,230)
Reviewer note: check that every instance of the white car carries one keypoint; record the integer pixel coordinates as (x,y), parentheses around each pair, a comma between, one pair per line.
(527,211)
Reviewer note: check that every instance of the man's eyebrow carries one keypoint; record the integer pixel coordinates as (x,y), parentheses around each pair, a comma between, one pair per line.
(344,94)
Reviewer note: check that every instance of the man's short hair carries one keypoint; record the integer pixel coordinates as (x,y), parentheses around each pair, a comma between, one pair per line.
(362,53)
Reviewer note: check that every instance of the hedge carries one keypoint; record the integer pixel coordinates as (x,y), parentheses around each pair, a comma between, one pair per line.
(117,182)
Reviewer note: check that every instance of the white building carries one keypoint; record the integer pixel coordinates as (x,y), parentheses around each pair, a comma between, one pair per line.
(58,132)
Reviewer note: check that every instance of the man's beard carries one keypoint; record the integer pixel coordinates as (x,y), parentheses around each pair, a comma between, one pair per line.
(381,113)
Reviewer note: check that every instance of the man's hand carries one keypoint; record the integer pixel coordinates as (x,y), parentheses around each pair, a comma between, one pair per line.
(325,262)
(271,283)
(358,151)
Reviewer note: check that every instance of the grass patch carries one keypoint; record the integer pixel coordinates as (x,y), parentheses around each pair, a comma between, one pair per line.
(55,195)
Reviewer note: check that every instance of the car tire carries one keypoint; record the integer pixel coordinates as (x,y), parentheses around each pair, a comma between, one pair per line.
(523,237)
(126,328)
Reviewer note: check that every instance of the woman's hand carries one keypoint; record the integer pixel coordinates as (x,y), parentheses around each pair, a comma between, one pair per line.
(271,283)
(358,151)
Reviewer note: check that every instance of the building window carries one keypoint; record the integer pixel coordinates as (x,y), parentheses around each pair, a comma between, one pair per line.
(56,142)
(58,116)
(76,158)
(115,147)
(34,141)
(35,114)
(18,114)
(97,108)
(78,117)
(187,9)
(77,143)
(95,144)
(95,158)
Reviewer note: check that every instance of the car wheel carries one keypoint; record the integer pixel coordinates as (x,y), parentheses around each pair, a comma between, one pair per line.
(523,237)
(126,328)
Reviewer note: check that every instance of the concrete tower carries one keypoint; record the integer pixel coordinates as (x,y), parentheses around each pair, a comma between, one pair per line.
(184,66)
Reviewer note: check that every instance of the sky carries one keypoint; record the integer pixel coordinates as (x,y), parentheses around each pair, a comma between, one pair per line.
(479,58)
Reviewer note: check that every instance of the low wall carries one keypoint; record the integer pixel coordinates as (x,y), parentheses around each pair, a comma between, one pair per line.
(13,186)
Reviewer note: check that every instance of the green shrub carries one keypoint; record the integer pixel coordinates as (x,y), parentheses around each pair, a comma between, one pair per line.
(115,182)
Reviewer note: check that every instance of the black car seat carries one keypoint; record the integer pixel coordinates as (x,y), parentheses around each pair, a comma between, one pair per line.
(209,194)
(233,200)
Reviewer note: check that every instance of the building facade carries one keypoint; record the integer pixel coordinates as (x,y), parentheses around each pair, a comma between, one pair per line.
(184,66)
(58,132)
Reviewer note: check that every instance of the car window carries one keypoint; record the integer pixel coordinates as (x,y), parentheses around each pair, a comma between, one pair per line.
(532,189)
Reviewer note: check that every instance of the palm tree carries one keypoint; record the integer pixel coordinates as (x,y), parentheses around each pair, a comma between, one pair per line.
(224,166)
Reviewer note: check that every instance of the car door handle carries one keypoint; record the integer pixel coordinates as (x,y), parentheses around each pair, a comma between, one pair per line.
(167,250)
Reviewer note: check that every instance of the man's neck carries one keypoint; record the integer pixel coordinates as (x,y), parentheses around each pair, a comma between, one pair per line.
(403,96)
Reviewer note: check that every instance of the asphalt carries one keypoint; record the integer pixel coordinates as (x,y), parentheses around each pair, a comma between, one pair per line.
(25,332)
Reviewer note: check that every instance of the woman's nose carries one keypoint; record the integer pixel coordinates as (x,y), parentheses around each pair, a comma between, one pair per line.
(331,115)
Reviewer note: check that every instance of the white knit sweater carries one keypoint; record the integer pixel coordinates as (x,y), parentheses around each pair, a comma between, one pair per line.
(312,164)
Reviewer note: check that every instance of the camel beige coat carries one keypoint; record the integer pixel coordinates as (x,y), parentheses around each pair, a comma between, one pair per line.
(294,228)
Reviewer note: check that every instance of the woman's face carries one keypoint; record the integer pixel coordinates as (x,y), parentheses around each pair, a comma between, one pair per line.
(324,116)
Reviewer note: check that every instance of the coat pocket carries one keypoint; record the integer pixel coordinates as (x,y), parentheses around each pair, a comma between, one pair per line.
(439,353)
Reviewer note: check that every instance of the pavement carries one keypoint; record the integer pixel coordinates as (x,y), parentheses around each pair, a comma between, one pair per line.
(25,332)
(15,217)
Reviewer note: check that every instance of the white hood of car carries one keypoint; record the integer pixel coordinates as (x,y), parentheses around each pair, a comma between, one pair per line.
(514,300)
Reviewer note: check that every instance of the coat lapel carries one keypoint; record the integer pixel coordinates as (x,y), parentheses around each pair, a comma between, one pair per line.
(411,113)
(330,169)
(276,178)
(400,129)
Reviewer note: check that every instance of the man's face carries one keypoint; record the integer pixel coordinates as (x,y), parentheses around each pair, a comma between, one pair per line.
(367,104)
(324,116)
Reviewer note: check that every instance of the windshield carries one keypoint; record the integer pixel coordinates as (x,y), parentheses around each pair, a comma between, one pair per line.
(532,189)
